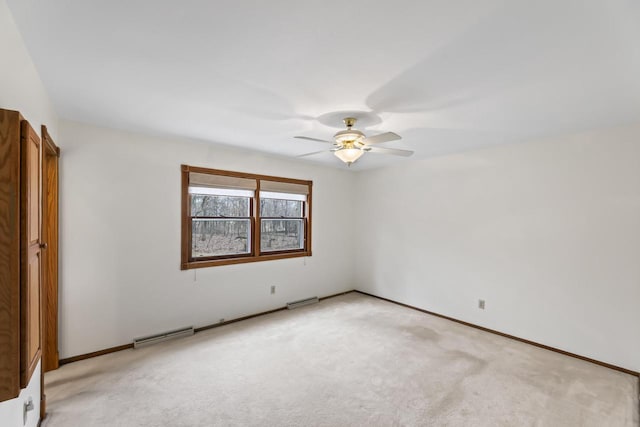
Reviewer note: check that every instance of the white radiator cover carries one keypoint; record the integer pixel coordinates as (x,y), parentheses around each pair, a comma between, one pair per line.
(153,339)
(302,302)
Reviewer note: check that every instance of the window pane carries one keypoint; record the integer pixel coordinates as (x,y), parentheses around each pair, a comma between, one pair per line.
(215,237)
(210,205)
(281,208)
(281,234)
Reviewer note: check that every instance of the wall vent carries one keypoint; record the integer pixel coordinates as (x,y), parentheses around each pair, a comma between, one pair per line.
(153,339)
(300,303)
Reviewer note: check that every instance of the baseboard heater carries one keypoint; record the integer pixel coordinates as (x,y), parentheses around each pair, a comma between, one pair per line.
(302,302)
(165,336)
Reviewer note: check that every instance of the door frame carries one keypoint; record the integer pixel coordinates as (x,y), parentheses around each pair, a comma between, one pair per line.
(50,222)
(50,259)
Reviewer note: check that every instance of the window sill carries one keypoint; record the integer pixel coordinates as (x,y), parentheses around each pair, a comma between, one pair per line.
(242,260)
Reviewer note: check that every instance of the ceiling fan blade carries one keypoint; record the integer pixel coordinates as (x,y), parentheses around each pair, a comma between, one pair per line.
(383,137)
(313,139)
(311,154)
(392,151)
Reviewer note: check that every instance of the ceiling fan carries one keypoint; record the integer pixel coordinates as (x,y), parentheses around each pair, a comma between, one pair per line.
(350,144)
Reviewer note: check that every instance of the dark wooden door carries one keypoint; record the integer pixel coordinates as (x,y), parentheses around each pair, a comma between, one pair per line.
(30,282)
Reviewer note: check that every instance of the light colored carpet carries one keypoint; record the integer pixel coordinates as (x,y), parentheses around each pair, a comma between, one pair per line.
(352,360)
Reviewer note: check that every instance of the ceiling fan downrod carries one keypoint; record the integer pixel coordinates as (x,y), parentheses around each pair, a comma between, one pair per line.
(349,122)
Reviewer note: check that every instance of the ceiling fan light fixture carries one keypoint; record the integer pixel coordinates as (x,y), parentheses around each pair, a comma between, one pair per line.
(349,135)
(349,155)
(350,144)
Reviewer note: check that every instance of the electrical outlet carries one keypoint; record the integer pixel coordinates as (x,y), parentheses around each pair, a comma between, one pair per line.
(481,304)
(273,290)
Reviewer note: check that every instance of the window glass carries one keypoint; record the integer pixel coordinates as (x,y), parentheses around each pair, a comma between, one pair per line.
(220,223)
(219,237)
(282,221)
(281,234)
(205,205)
(281,208)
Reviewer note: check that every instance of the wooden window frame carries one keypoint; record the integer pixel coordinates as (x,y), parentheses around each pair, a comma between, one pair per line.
(255,255)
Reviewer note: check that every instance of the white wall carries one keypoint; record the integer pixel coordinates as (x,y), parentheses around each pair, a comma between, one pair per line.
(20,86)
(120,240)
(547,232)
(21,89)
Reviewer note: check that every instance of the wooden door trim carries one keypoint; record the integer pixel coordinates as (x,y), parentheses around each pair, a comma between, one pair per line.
(50,255)
(49,267)
(51,149)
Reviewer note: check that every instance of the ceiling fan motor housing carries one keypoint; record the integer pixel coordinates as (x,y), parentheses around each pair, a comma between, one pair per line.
(349,135)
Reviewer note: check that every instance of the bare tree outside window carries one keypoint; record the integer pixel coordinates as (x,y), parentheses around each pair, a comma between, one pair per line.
(220,225)
(281,224)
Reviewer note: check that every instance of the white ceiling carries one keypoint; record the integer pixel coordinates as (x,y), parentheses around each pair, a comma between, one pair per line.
(446,75)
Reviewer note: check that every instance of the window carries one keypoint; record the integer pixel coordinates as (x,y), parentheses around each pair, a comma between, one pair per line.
(233,217)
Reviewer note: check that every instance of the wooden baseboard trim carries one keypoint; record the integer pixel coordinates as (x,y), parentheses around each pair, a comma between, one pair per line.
(239,319)
(337,295)
(200,329)
(251,316)
(482,328)
(493,331)
(94,354)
